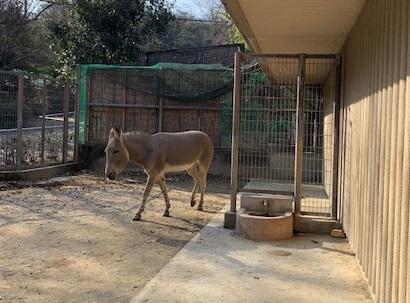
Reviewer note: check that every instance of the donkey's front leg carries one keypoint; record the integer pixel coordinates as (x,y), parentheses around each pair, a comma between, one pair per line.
(147,191)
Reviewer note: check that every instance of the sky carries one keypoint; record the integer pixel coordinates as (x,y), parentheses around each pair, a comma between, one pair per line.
(194,7)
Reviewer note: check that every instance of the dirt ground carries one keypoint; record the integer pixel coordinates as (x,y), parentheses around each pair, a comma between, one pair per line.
(71,239)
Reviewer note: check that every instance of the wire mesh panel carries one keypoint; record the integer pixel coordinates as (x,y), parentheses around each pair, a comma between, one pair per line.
(267,123)
(318,136)
(267,128)
(45,134)
(8,119)
(43,121)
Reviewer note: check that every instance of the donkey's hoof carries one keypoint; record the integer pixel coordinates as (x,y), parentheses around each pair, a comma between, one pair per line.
(193,203)
(137,217)
(166,213)
(200,208)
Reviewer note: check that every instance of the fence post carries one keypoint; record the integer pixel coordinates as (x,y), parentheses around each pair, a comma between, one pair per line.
(161,115)
(66,103)
(20,105)
(299,133)
(336,121)
(235,130)
(77,114)
(87,107)
(124,98)
(43,120)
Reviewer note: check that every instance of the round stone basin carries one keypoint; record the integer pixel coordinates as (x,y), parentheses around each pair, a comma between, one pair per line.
(261,226)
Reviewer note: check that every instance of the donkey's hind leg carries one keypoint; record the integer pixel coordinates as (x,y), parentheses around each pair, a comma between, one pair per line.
(202,173)
(193,173)
(164,190)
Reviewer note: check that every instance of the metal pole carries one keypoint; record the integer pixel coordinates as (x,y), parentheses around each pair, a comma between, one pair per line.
(161,115)
(336,121)
(77,115)
(43,122)
(87,107)
(299,133)
(235,130)
(20,105)
(124,100)
(66,104)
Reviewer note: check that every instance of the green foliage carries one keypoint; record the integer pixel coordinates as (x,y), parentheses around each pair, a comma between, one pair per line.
(234,34)
(107,32)
(22,39)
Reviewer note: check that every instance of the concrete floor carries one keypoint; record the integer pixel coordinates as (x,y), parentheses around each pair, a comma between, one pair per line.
(218,266)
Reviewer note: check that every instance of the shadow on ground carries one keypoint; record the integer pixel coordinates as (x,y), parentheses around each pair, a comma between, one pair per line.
(72,239)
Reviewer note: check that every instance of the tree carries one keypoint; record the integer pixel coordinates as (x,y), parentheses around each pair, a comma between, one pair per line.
(234,34)
(22,36)
(186,31)
(213,26)
(107,31)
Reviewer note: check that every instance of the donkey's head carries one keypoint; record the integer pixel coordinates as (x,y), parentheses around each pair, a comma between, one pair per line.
(116,154)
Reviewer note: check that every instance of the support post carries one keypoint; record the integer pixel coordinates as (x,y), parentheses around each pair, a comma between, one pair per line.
(77,114)
(336,121)
(66,105)
(124,98)
(43,120)
(87,107)
(161,114)
(231,215)
(299,133)
(20,105)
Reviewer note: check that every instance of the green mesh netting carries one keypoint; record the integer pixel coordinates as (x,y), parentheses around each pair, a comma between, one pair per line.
(174,81)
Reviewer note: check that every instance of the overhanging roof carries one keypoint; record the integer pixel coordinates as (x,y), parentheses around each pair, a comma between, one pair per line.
(295,26)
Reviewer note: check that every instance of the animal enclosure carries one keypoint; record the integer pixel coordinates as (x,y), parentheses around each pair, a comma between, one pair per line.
(284,120)
(37,121)
(164,97)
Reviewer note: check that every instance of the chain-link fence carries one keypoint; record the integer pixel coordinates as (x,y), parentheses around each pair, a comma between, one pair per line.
(37,121)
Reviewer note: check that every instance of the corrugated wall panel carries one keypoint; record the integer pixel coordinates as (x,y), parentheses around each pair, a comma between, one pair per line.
(375,154)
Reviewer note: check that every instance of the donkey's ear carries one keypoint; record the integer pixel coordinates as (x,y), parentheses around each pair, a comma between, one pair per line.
(115,132)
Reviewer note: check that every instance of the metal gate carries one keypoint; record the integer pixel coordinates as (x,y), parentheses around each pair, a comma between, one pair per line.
(284,138)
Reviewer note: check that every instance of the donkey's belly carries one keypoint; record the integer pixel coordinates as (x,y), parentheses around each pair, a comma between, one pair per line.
(175,168)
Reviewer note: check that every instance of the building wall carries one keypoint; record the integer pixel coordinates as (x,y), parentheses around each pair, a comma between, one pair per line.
(375,150)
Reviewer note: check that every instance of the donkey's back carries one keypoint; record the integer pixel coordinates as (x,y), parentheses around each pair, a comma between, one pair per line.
(179,151)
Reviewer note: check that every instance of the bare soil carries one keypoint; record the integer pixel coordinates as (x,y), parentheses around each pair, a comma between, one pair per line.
(71,239)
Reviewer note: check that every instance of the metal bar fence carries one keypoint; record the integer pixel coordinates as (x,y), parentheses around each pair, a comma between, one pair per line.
(37,122)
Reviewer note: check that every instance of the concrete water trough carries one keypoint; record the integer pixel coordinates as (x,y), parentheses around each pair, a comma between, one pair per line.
(265,217)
